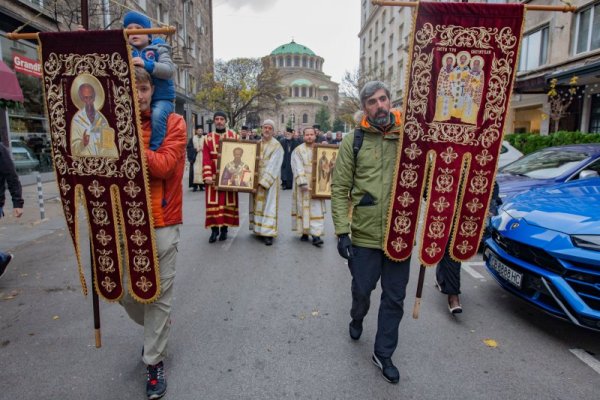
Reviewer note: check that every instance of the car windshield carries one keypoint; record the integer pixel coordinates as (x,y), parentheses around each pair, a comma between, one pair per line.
(20,156)
(546,164)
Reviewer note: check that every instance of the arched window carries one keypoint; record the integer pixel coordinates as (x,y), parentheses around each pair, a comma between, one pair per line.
(288,61)
(312,63)
(303,91)
(304,62)
(305,118)
(290,92)
(296,61)
(310,92)
(296,91)
(280,61)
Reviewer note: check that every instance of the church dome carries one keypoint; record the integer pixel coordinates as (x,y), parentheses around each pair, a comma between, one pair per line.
(292,48)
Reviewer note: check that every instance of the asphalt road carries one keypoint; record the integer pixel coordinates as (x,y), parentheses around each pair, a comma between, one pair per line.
(257,322)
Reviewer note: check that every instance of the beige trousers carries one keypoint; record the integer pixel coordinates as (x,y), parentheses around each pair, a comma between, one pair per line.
(155,317)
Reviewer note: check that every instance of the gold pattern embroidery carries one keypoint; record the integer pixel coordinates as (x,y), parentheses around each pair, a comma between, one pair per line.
(413,151)
(99,213)
(105,261)
(132,189)
(95,189)
(405,199)
(444,181)
(469,227)
(441,204)
(144,284)
(141,263)
(449,155)
(103,237)
(474,205)
(136,215)
(108,284)
(402,222)
(436,228)
(138,237)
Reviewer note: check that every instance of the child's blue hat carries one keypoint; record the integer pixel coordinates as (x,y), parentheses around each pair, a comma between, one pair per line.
(134,17)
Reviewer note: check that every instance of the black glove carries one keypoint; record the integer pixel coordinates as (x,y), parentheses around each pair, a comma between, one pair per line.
(345,246)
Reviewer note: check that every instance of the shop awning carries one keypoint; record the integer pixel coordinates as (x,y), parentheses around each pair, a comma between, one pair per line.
(10,89)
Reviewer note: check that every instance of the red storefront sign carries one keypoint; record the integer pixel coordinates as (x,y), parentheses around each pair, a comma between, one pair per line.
(27,66)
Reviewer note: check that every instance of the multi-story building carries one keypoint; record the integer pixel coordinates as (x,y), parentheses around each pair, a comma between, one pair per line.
(192,46)
(558,46)
(555,45)
(308,88)
(384,41)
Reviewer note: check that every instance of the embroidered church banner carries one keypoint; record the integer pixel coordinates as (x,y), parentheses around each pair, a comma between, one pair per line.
(97,155)
(462,65)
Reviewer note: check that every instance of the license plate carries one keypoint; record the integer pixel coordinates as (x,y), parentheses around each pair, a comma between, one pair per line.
(507,273)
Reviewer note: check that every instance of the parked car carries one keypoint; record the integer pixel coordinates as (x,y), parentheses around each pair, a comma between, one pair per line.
(23,159)
(508,154)
(545,248)
(549,166)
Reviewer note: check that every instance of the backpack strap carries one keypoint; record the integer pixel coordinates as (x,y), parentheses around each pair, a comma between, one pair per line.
(359,135)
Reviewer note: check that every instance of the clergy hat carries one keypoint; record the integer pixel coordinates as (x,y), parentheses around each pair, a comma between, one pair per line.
(244,128)
(317,126)
(269,122)
(288,129)
(220,114)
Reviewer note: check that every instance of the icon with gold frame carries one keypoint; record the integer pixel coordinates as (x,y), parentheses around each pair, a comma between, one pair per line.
(237,165)
(324,158)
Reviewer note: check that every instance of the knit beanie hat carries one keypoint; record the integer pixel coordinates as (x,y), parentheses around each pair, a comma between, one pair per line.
(134,17)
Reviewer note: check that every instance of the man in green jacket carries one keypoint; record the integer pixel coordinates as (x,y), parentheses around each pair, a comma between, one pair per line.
(368,180)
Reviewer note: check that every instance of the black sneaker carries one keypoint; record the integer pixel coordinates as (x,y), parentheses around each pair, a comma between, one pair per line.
(304,238)
(156,384)
(268,241)
(355,329)
(4,260)
(388,370)
(317,241)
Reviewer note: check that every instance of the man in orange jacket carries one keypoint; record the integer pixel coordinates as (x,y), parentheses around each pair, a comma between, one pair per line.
(165,168)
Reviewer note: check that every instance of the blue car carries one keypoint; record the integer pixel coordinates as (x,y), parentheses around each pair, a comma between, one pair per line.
(545,248)
(549,166)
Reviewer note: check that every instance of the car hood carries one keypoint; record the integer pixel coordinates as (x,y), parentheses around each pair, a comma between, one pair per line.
(572,208)
(510,184)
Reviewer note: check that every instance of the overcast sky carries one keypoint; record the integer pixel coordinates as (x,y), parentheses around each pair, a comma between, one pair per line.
(254,28)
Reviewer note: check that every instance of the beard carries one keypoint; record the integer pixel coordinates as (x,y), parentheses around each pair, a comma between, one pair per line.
(380,119)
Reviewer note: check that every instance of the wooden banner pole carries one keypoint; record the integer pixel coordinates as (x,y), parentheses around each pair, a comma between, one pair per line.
(528,7)
(420,282)
(155,31)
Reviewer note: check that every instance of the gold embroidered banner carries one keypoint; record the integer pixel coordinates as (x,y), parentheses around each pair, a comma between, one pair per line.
(461,72)
(98,156)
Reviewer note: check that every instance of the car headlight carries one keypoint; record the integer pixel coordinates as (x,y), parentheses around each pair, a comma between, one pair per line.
(590,242)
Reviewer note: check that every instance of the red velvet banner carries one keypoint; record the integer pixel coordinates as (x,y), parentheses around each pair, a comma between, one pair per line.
(462,65)
(98,156)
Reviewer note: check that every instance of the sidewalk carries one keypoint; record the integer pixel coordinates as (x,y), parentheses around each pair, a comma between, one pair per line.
(18,232)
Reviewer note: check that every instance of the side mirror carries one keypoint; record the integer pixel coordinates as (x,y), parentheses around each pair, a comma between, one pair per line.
(588,173)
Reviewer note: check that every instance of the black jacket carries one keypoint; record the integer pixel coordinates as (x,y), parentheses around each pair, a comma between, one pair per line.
(9,177)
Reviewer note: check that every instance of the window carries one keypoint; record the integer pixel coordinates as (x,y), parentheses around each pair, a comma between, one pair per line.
(305,118)
(534,50)
(282,119)
(312,63)
(364,45)
(595,115)
(587,29)
(391,43)
(163,14)
(296,91)
(303,91)
(191,47)
(296,61)
(383,20)
(304,62)
(310,92)
(370,36)
(288,61)
(280,62)
(325,98)
(199,22)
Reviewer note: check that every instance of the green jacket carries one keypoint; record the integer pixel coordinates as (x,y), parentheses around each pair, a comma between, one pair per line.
(369,185)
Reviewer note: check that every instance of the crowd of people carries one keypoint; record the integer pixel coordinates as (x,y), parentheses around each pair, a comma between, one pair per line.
(360,186)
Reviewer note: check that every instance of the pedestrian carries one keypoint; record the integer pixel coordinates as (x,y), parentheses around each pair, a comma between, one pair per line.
(9,177)
(264,203)
(191,156)
(245,133)
(154,55)
(338,138)
(221,206)
(447,272)
(307,213)
(367,176)
(289,144)
(166,194)
(198,142)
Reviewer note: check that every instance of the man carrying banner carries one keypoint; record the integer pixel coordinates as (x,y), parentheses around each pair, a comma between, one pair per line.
(165,168)
(368,175)
(264,203)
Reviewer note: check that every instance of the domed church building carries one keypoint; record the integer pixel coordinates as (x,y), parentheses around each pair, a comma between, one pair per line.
(308,88)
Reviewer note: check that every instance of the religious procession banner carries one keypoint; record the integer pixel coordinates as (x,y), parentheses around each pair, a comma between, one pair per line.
(462,65)
(98,156)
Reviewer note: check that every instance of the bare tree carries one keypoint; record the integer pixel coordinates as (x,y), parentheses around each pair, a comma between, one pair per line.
(240,87)
(67,14)
(350,89)
(560,98)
